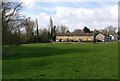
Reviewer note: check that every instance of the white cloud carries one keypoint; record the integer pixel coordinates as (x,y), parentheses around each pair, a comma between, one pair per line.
(29,3)
(66,0)
(43,20)
(75,18)
(72,0)
(114,12)
(79,17)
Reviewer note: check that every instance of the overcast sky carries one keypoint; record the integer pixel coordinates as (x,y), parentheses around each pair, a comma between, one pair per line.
(93,14)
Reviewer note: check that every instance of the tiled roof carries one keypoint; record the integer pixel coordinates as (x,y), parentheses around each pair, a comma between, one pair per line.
(71,34)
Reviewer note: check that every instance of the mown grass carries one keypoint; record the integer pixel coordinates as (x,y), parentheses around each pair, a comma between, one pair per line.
(62,61)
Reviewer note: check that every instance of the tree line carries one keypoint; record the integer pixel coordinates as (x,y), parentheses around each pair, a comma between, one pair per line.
(17,29)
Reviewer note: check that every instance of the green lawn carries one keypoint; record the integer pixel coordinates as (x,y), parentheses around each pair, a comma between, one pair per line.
(62,61)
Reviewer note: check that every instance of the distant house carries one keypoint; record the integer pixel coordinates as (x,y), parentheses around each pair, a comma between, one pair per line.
(105,38)
(74,37)
(100,37)
(112,37)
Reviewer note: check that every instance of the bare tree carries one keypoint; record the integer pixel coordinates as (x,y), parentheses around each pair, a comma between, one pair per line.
(29,26)
(63,29)
(10,12)
(111,30)
(44,35)
(58,30)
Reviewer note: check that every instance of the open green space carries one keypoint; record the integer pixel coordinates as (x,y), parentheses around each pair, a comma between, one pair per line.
(62,61)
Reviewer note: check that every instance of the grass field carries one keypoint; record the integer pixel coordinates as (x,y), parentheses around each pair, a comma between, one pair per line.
(62,61)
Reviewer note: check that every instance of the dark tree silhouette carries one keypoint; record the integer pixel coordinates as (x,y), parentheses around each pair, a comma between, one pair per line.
(52,32)
(37,31)
(86,30)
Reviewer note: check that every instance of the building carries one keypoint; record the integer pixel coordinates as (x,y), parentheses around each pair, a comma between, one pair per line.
(100,37)
(74,37)
(106,38)
(112,37)
(70,37)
